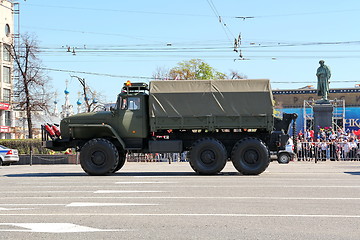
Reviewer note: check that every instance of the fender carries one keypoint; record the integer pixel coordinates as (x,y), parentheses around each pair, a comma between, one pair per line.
(101,125)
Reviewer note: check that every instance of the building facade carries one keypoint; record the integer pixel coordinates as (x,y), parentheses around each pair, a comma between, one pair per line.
(7,126)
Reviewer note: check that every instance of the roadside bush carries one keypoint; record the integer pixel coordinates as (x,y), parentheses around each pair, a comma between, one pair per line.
(25,145)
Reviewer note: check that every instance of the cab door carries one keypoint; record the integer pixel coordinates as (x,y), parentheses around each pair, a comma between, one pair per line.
(134,119)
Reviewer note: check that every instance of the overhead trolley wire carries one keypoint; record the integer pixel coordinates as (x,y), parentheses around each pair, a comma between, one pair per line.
(221,20)
(93,73)
(149,78)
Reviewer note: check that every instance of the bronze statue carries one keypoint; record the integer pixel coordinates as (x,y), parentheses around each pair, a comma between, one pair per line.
(323,74)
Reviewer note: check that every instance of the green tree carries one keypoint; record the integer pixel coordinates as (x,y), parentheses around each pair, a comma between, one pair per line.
(195,69)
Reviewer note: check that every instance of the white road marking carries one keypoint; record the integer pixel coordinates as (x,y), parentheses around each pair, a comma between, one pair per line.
(193,186)
(93,204)
(190,186)
(237,175)
(30,204)
(13,209)
(186,215)
(179,197)
(266,186)
(50,191)
(146,183)
(125,191)
(52,228)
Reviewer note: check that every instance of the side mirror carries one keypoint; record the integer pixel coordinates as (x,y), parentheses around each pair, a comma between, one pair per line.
(112,110)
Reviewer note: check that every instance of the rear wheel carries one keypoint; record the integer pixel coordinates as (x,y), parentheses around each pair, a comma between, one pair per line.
(99,157)
(250,156)
(207,156)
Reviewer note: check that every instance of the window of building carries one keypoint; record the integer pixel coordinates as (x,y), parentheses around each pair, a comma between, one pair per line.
(6,51)
(7,95)
(7,30)
(7,118)
(6,75)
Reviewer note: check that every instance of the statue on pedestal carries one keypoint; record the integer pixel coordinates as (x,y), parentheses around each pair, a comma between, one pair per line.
(323,74)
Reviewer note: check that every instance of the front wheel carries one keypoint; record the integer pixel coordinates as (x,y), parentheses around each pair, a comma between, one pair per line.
(99,157)
(207,156)
(250,156)
(122,160)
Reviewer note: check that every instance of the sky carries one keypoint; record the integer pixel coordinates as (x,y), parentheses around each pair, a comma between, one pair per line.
(116,41)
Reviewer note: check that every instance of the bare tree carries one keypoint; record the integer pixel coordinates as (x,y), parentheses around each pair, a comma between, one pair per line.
(90,97)
(32,86)
(235,75)
(161,73)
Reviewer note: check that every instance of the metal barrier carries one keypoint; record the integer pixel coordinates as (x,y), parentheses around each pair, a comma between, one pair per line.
(26,159)
(334,151)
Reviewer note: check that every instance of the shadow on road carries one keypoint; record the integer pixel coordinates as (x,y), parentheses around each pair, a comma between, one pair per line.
(46,175)
(353,173)
(131,174)
(159,174)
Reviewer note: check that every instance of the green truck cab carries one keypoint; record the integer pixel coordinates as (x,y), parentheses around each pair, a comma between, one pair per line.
(213,120)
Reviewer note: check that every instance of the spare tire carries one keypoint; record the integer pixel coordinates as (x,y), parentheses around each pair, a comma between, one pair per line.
(284,158)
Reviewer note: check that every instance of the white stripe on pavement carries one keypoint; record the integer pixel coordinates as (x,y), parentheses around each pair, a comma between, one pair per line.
(125,191)
(179,197)
(30,204)
(187,215)
(146,182)
(52,228)
(93,204)
(13,209)
(74,204)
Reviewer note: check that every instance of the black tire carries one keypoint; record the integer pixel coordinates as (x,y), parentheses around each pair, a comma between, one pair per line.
(99,157)
(207,156)
(250,156)
(1,162)
(121,162)
(284,158)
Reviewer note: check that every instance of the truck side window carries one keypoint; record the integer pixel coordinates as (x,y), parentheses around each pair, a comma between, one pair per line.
(133,103)
(123,104)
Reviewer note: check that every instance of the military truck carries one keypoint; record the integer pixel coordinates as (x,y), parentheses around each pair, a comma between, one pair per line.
(212,120)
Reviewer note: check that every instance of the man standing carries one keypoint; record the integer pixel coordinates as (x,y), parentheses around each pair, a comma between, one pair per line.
(323,74)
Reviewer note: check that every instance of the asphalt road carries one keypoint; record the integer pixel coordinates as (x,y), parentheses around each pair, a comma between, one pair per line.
(300,200)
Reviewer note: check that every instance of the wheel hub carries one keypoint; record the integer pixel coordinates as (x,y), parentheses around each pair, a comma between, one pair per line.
(251,156)
(208,157)
(98,158)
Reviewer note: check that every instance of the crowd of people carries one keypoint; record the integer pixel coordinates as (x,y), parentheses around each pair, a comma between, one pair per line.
(328,144)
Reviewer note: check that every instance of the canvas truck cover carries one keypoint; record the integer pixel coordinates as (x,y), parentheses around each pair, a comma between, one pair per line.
(210,103)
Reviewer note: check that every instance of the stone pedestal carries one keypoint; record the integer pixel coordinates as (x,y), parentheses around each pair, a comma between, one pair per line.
(323,113)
